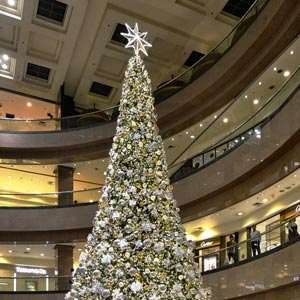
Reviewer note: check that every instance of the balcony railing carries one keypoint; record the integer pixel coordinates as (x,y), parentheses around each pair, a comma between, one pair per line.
(34,283)
(251,127)
(243,251)
(50,199)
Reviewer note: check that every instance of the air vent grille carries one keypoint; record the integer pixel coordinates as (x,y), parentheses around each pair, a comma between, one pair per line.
(100,89)
(238,7)
(117,37)
(52,9)
(38,71)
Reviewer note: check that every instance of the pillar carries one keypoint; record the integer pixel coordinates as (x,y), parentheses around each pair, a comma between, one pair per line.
(64,265)
(64,183)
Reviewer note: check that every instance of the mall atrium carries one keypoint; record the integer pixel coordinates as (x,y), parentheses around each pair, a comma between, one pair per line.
(225,77)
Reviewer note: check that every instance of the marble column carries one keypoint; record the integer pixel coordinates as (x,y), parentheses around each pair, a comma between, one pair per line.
(64,183)
(64,264)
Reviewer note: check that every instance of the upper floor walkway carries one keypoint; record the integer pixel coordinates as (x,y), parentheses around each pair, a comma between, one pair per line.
(237,65)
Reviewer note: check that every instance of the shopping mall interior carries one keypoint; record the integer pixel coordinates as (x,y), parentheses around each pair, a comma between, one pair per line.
(225,77)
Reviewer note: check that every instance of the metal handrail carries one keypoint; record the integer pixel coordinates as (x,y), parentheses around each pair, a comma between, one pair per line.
(222,139)
(249,240)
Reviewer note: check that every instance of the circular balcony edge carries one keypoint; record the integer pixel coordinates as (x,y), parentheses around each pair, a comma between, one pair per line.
(205,95)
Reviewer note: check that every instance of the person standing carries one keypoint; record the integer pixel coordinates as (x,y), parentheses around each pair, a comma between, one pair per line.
(231,247)
(255,240)
(292,229)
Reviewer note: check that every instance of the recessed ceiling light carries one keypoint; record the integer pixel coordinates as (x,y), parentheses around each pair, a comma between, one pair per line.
(201,125)
(42,254)
(91,200)
(172,139)
(295,175)
(240,213)
(260,83)
(246,96)
(29,104)
(192,136)
(286,73)
(292,52)
(4,66)
(186,132)
(78,173)
(225,120)
(28,249)
(11,2)
(265,200)
(255,101)
(215,116)
(5,57)
(10,251)
(275,69)
(79,249)
(9,176)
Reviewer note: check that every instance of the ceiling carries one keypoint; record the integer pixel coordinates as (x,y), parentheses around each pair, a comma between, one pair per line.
(78,49)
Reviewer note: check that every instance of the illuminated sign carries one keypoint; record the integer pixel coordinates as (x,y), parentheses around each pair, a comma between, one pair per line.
(31,270)
(205,244)
(297,208)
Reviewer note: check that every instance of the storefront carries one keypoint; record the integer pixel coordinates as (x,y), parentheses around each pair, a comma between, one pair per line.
(207,255)
(26,278)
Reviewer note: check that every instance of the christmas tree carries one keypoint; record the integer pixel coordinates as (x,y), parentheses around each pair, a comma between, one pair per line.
(137,248)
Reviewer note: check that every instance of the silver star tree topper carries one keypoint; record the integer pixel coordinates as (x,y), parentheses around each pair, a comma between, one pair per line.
(136,40)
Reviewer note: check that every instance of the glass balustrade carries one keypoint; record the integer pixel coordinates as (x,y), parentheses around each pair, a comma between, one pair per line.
(164,91)
(219,146)
(50,199)
(244,251)
(33,283)
(234,138)
(169,88)
(32,266)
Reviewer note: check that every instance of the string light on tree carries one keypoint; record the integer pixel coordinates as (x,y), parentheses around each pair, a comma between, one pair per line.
(137,249)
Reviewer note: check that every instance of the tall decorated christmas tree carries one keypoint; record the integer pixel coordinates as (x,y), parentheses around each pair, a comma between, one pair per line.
(137,248)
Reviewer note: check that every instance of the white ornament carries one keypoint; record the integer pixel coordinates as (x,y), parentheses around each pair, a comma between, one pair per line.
(136,40)
(136,286)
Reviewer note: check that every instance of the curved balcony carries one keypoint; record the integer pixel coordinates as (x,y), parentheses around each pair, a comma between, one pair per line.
(202,193)
(275,270)
(261,162)
(224,278)
(215,84)
(240,133)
